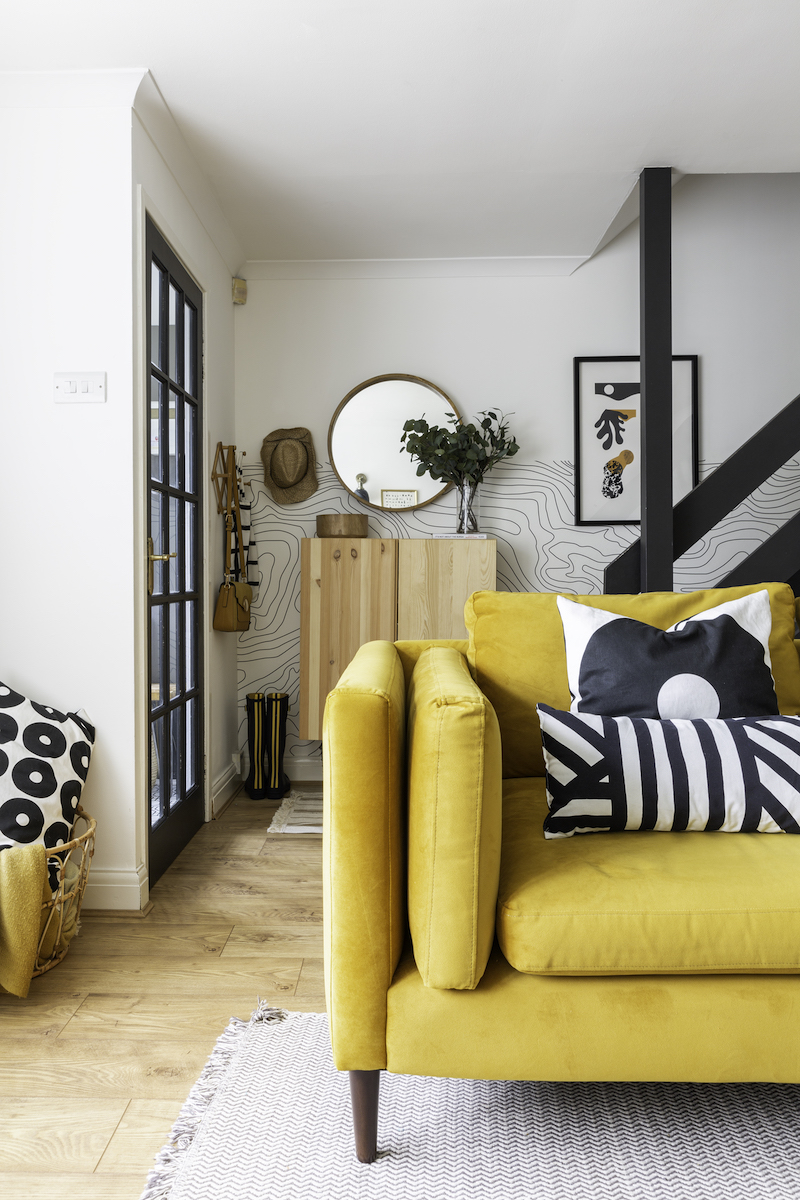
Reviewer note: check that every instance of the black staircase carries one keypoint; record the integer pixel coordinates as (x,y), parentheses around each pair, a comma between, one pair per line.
(778,558)
(667,532)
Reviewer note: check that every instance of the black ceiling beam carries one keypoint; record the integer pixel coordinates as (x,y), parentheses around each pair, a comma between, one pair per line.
(655,315)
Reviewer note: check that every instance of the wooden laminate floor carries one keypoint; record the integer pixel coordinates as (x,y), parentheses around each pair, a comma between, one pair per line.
(96,1062)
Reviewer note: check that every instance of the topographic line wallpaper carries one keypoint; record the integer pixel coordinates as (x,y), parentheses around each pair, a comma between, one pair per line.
(528,508)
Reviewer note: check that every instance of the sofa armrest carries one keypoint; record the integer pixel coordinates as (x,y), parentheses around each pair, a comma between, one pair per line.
(455,817)
(364,885)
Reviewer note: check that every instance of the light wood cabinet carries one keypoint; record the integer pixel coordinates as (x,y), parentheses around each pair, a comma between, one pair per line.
(356,590)
(434,578)
(348,596)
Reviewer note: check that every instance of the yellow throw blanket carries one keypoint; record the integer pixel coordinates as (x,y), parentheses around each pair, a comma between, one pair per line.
(23,886)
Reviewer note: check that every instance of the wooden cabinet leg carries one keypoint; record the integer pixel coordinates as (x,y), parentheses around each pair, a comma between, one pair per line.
(364,1086)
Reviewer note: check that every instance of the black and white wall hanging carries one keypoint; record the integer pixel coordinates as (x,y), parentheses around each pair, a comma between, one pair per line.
(607,436)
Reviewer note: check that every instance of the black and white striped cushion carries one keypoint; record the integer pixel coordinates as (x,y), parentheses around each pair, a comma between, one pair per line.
(739,775)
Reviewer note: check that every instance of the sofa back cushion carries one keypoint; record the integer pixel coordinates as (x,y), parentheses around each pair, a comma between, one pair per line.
(517,656)
(455,806)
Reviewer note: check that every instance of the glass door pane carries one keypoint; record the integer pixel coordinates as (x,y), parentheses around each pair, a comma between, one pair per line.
(156,306)
(156,463)
(156,771)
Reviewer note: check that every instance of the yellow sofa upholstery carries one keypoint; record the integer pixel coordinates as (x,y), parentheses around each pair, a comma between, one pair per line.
(698,1028)
(364,835)
(455,811)
(720,1002)
(643,903)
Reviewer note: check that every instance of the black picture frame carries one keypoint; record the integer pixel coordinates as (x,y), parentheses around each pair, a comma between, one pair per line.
(592,507)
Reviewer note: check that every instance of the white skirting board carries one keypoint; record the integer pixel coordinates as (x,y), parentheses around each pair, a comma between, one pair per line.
(303,770)
(223,789)
(123,890)
(299,770)
(128,890)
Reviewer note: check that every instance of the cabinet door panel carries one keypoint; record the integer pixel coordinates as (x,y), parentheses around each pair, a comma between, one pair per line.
(434,578)
(348,597)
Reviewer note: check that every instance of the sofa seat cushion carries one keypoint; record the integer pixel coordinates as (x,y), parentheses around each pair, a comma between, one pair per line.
(643,903)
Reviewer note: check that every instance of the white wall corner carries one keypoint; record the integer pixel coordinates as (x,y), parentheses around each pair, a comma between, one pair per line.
(114,889)
(152,110)
(413,268)
(223,789)
(627,213)
(70,89)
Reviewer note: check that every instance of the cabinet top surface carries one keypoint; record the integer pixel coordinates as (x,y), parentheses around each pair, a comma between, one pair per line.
(433,540)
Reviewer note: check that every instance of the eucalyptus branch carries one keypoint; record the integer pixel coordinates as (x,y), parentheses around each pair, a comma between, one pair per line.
(465,452)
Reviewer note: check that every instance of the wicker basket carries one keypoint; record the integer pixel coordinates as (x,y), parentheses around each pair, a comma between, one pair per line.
(70,863)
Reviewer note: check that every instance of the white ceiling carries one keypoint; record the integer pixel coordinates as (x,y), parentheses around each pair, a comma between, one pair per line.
(441,128)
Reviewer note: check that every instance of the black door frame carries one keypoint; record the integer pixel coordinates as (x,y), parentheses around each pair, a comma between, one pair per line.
(167,838)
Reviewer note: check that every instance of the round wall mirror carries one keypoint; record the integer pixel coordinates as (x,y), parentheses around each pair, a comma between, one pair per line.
(364,440)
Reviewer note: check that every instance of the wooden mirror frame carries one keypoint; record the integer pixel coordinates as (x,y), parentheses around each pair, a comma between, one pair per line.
(354,392)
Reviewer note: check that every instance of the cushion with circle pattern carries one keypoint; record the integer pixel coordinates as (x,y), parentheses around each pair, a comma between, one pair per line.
(715,664)
(44,761)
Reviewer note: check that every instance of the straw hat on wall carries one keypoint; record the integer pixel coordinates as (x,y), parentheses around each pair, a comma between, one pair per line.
(289,461)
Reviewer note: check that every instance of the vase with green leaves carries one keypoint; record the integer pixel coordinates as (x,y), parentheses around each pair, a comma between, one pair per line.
(461,455)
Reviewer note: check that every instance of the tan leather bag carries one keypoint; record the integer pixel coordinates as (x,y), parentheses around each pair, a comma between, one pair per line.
(232,613)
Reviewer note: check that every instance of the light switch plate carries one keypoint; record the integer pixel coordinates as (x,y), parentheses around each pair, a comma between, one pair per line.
(79,387)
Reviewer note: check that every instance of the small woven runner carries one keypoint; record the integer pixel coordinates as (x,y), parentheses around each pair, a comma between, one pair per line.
(299,813)
(269,1119)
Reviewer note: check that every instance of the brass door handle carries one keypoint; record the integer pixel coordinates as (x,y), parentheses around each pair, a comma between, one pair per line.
(151,558)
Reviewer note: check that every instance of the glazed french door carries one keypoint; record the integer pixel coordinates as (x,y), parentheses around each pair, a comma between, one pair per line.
(174,560)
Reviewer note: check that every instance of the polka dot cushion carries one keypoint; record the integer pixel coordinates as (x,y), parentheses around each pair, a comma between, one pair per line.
(44,761)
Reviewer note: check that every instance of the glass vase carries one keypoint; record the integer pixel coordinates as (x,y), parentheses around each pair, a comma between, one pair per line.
(467,507)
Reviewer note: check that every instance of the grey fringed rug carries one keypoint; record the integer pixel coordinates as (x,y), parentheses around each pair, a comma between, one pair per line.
(299,813)
(269,1119)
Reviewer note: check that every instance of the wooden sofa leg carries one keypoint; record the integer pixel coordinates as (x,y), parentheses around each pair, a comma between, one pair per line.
(364,1087)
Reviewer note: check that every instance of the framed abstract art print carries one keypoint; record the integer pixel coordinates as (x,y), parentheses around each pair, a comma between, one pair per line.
(607,437)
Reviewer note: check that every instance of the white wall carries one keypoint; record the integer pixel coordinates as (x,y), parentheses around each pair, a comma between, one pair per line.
(736,279)
(303,343)
(79,168)
(66,494)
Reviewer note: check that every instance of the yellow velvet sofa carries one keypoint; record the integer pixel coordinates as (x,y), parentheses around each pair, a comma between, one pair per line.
(461,943)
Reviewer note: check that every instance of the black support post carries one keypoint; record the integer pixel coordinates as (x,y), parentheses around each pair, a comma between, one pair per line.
(655,308)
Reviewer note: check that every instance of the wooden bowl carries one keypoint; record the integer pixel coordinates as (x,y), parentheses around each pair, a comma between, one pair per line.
(342,525)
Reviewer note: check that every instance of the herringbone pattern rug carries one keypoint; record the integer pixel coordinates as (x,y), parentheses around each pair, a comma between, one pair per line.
(277,1127)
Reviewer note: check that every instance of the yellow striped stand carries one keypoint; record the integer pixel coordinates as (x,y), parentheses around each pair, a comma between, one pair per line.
(278,783)
(256,783)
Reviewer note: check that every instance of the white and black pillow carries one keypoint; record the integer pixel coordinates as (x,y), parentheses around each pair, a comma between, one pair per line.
(44,761)
(612,773)
(714,664)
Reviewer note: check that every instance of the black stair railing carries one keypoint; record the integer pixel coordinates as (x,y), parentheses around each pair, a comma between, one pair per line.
(778,558)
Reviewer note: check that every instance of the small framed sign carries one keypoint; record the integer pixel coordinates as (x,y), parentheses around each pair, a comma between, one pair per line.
(398,497)
(607,437)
